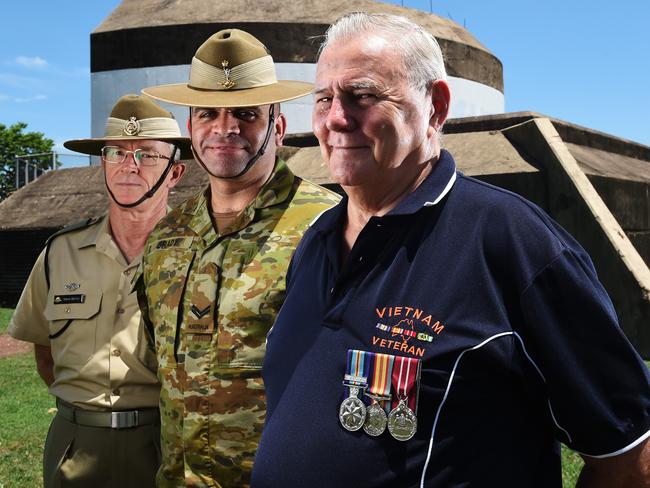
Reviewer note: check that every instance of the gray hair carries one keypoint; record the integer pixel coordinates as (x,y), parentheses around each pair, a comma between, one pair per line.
(419,50)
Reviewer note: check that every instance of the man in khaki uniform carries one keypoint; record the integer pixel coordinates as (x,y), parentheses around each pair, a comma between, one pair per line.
(78,310)
(214,268)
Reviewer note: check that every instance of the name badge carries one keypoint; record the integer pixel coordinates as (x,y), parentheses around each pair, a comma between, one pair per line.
(61,299)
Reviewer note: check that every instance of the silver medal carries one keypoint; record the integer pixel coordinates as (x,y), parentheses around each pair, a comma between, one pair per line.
(352,412)
(402,422)
(376,420)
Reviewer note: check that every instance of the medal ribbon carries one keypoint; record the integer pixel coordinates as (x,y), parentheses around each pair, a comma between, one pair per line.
(382,371)
(406,374)
(358,368)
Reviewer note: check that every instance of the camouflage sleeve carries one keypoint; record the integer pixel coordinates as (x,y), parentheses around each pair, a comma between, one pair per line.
(140,289)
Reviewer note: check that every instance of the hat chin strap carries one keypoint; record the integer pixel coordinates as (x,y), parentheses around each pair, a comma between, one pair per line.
(153,189)
(252,160)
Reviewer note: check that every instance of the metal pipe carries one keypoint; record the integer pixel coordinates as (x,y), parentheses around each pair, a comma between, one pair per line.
(33,155)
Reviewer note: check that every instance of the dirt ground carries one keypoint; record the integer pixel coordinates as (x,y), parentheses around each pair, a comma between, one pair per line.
(10,346)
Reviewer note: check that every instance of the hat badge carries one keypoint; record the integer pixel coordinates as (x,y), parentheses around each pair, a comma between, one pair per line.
(131,127)
(226,72)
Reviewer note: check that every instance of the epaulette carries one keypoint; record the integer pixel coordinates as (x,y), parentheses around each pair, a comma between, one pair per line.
(70,228)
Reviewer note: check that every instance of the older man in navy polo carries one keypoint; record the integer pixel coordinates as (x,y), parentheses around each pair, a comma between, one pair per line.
(437,331)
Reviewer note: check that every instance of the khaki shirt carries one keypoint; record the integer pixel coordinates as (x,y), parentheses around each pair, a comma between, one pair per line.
(101,360)
(211,298)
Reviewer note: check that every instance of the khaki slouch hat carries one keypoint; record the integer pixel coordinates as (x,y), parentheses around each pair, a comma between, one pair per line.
(231,68)
(135,118)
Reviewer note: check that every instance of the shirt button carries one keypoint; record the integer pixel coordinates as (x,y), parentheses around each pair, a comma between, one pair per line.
(361,259)
(120,310)
(332,291)
(117,353)
(116,392)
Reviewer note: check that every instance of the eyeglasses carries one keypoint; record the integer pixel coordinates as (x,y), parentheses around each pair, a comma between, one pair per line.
(142,157)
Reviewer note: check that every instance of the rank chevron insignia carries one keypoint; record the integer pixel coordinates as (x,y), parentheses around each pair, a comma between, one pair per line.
(199,313)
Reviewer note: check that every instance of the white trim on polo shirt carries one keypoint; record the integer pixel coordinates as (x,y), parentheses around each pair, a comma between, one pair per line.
(319,216)
(451,378)
(446,190)
(620,451)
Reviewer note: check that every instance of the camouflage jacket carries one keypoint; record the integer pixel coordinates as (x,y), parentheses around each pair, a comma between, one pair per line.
(210,299)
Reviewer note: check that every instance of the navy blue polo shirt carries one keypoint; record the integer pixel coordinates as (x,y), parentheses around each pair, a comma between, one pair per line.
(526,349)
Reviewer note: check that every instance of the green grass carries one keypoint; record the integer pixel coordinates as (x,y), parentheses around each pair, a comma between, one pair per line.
(5,315)
(24,404)
(571,466)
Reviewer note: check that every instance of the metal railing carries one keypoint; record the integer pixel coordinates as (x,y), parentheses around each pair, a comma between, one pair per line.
(27,171)
(30,171)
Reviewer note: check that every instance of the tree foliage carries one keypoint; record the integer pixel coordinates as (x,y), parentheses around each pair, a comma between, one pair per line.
(14,141)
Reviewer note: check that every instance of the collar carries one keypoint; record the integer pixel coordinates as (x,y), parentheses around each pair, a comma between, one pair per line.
(97,234)
(432,189)
(101,237)
(100,234)
(274,192)
(277,188)
(430,192)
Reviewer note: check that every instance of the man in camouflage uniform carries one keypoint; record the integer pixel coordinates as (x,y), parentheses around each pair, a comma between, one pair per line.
(213,274)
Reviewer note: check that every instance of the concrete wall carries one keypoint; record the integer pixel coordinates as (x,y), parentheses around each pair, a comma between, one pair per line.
(576,205)
(629,201)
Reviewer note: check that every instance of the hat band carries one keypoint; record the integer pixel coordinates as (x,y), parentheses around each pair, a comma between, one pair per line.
(151,128)
(252,74)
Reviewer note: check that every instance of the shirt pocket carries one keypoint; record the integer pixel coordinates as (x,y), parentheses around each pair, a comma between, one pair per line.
(252,294)
(73,326)
(245,317)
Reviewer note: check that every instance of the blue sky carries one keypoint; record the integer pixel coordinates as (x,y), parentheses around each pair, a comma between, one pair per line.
(586,62)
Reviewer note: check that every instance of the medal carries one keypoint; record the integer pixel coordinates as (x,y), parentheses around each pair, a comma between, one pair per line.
(376,420)
(352,412)
(379,391)
(402,421)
